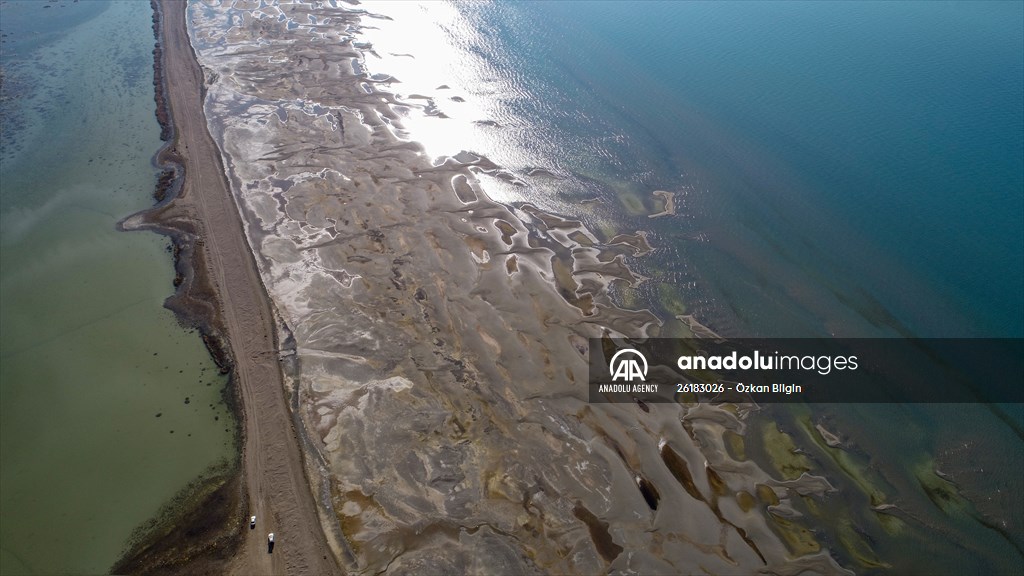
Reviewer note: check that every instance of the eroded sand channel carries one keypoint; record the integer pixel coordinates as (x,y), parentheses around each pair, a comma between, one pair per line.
(434,341)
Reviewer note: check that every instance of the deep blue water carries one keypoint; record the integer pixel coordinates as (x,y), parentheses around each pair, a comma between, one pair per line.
(849,168)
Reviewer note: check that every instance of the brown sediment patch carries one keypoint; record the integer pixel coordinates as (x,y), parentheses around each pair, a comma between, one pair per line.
(677,466)
(599,533)
(767,495)
(718,486)
(745,501)
(507,231)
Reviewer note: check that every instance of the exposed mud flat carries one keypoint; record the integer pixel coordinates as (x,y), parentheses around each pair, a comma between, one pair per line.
(435,341)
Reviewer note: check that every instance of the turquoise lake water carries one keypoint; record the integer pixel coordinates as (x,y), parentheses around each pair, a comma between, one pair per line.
(95,429)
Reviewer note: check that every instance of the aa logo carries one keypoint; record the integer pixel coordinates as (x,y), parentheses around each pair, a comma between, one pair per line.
(631,367)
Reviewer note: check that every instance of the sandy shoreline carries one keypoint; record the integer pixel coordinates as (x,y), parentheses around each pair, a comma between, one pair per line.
(440,340)
(220,291)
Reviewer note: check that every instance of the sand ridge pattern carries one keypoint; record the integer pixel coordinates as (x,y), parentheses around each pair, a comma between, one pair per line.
(434,342)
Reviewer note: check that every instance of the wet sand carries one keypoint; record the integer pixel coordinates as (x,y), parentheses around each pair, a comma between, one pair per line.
(435,342)
(220,289)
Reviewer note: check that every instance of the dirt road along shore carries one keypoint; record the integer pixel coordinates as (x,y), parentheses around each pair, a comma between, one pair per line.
(273,472)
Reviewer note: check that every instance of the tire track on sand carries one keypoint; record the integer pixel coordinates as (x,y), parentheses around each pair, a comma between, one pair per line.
(273,471)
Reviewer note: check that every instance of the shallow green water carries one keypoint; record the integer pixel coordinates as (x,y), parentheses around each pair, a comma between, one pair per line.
(88,355)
